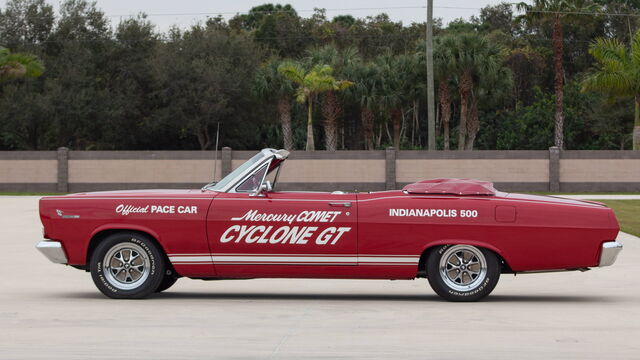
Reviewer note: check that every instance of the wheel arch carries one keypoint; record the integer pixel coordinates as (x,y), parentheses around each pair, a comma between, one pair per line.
(103,232)
(424,255)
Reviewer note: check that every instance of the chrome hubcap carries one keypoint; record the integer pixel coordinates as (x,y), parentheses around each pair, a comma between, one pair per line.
(126,266)
(463,267)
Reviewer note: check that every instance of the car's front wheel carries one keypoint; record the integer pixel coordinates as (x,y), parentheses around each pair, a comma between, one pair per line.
(170,278)
(127,265)
(462,272)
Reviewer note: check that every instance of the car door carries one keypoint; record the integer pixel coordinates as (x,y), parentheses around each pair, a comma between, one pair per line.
(283,234)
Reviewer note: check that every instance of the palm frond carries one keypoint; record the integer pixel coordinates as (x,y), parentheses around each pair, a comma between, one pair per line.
(18,65)
(292,71)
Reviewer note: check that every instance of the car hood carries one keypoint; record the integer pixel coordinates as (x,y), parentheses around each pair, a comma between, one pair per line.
(150,193)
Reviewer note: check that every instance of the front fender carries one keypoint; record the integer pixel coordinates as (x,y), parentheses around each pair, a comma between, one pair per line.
(121,227)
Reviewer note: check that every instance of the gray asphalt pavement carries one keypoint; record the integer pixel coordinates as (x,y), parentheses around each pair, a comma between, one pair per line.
(50,311)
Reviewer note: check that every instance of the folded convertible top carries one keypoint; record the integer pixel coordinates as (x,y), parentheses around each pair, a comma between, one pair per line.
(451,186)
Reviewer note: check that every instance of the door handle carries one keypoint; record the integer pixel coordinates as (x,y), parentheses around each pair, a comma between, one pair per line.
(343,204)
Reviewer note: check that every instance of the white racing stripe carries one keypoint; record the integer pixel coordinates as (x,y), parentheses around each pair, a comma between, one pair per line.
(284,259)
(394,259)
(191,259)
(311,259)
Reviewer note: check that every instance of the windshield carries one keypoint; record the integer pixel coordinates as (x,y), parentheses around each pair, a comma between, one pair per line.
(235,173)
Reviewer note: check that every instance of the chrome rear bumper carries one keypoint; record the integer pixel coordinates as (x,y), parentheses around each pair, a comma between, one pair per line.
(610,251)
(53,250)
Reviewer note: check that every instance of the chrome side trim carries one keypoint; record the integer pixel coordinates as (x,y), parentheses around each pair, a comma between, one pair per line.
(550,271)
(53,250)
(610,251)
(62,215)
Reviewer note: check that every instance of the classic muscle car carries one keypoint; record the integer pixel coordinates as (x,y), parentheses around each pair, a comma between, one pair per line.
(459,234)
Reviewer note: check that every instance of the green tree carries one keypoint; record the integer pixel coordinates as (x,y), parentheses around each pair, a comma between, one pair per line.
(202,78)
(399,89)
(476,65)
(26,23)
(617,73)
(494,84)
(257,14)
(444,67)
(331,105)
(367,78)
(271,85)
(467,59)
(556,11)
(311,83)
(277,27)
(18,65)
(130,83)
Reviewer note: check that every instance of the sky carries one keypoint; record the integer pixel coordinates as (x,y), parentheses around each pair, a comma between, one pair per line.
(184,13)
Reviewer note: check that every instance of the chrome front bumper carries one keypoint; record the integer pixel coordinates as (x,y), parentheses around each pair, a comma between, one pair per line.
(610,251)
(53,250)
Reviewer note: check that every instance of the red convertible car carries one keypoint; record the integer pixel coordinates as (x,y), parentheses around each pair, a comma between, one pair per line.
(459,234)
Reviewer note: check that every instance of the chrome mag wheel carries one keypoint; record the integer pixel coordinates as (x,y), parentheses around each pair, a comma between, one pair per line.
(126,266)
(463,267)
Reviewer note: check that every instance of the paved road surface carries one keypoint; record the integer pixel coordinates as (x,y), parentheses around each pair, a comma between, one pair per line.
(51,311)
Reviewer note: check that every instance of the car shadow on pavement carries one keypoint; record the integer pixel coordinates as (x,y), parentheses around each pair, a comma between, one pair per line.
(352,297)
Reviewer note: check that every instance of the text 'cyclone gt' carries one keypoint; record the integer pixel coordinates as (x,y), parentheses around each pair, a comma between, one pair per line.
(459,234)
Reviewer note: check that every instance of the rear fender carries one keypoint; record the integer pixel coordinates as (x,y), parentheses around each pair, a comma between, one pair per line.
(475,243)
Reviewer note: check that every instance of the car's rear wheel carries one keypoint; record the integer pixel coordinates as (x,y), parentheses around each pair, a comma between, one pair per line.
(127,265)
(462,272)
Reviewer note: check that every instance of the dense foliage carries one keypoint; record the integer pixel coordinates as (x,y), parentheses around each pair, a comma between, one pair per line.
(127,86)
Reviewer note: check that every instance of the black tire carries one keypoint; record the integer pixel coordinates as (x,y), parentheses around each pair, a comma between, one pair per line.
(466,281)
(170,278)
(139,273)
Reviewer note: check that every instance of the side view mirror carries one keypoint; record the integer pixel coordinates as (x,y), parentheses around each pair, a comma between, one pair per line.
(261,190)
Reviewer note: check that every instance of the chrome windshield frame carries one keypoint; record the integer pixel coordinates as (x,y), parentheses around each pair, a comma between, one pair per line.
(267,156)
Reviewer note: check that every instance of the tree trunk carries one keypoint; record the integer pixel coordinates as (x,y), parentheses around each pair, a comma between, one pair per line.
(367,118)
(636,125)
(558,83)
(413,122)
(203,137)
(310,145)
(331,111)
(396,116)
(466,84)
(284,112)
(473,124)
(445,110)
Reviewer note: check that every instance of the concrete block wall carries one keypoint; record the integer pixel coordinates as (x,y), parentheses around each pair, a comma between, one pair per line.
(546,170)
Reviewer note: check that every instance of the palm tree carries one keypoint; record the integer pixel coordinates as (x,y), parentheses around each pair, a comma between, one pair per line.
(366,91)
(556,10)
(468,57)
(17,65)
(468,62)
(617,73)
(477,66)
(271,85)
(311,83)
(401,84)
(494,81)
(390,97)
(331,105)
(444,67)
